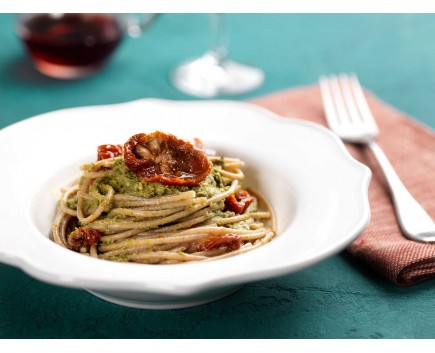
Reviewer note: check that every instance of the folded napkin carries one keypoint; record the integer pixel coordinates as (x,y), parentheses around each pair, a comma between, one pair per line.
(410,147)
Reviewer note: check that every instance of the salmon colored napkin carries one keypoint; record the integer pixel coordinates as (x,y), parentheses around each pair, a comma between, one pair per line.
(410,147)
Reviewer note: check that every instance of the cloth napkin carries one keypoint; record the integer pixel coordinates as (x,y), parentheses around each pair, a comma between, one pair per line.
(410,147)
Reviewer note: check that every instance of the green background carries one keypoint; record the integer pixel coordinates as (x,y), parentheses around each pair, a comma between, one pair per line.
(394,56)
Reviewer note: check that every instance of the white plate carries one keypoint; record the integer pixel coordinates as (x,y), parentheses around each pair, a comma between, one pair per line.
(318,191)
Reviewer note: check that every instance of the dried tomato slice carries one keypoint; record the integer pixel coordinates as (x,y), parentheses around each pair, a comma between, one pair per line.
(166,159)
(239,201)
(230,240)
(109,151)
(81,237)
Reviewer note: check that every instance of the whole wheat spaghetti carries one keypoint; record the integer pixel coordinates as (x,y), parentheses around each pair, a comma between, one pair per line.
(161,200)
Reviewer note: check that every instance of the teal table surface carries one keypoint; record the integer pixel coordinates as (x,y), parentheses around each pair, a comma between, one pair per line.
(394,56)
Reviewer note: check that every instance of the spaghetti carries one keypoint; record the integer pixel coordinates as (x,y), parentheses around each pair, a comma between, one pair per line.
(111,212)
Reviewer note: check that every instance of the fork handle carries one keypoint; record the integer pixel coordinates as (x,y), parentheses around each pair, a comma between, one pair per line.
(412,218)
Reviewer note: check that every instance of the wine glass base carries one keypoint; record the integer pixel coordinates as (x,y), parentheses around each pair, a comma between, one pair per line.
(208,77)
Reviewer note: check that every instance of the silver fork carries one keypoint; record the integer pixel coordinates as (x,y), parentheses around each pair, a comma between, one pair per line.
(349,116)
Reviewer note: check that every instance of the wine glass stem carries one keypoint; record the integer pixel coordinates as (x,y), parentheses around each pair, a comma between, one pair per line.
(219,37)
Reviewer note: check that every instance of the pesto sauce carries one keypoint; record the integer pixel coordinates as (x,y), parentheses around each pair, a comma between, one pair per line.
(242,225)
(208,187)
(124,181)
(223,214)
(72,203)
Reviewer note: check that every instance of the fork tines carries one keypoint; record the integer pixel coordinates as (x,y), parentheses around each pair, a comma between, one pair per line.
(345,103)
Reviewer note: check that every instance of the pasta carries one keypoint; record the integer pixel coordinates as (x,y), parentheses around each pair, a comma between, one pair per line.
(113,212)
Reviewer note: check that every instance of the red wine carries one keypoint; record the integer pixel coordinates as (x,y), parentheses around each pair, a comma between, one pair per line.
(71,41)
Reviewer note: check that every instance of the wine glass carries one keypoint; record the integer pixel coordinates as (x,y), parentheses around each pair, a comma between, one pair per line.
(214,74)
(76,45)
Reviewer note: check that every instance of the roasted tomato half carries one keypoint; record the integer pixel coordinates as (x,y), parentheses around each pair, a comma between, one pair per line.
(83,237)
(165,158)
(109,151)
(239,201)
(230,241)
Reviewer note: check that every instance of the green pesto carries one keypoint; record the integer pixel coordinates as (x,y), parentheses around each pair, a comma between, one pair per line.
(223,214)
(124,181)
(72,203)
(211,185)
(242,225)
(118,258)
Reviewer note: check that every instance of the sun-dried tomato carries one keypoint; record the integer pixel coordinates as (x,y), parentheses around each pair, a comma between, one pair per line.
(109,151)
(238,202)
(165,158)
(230,240)
(83,237)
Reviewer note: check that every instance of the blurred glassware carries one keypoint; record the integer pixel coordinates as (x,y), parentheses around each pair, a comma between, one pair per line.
(72,45)
(214,74)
